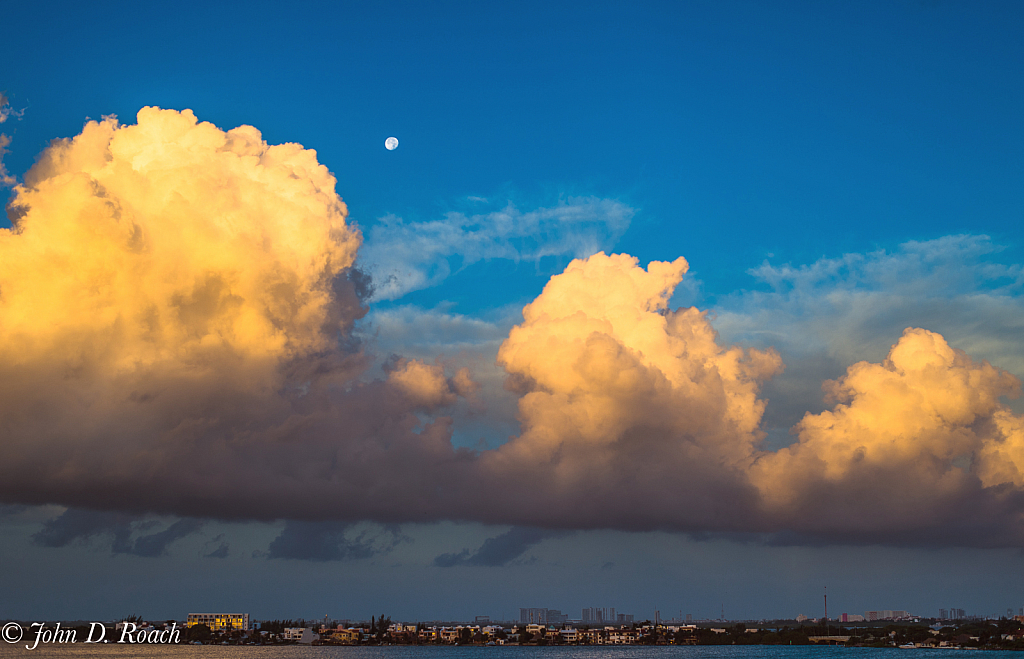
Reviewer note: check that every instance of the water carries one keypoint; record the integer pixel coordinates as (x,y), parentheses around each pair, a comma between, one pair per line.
(111,651)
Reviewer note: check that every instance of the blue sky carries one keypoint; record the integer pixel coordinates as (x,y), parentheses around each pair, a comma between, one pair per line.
(833,174)
(808,130)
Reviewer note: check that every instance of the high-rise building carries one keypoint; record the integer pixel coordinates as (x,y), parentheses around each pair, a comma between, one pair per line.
(886,615)
(943,614)
(533,616)
(598,615)
(542,617)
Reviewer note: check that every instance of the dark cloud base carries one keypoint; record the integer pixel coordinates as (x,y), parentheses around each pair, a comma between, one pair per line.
(499,550)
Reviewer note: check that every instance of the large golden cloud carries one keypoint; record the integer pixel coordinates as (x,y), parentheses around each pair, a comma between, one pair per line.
(626,401)
(174,314)
(918,445)
(171,241)
(175,317)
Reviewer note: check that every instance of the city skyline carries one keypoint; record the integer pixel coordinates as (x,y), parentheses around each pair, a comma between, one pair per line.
(556,618)
(429,309)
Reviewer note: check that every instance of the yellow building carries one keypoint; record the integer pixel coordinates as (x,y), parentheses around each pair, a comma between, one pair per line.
(346,635)
(219,621)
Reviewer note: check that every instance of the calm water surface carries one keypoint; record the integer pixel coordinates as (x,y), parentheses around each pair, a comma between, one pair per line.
(82,651)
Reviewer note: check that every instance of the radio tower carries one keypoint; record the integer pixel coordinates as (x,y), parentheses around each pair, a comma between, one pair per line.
(826,613)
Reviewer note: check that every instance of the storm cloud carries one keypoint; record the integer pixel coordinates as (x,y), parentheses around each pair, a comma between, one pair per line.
(76,526)
(500,550)
(177,305)
(332,541)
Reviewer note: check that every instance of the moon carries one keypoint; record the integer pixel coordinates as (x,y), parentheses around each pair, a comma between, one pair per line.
(391,143)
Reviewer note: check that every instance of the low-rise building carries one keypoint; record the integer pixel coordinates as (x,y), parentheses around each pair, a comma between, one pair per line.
(450,634)
(346,636)
(220,621)
(534,630)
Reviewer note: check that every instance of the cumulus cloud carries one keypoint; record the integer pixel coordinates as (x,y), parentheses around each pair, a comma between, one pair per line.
(176,305)
(177,313)
(499,550)
(633,415)
(426,385)
(458,341)
(917,447)
(408,256)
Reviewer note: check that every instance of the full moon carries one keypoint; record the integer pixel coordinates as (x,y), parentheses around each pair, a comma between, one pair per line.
(391,143)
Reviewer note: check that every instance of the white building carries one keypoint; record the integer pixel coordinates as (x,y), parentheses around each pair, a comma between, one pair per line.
(301,635)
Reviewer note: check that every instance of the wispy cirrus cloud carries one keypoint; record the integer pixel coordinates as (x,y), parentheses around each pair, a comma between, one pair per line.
(852,305)
(6,111)
(407,256)
(828,314)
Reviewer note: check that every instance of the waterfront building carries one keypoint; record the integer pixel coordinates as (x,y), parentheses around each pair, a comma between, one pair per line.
(220,621)
(301,635)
